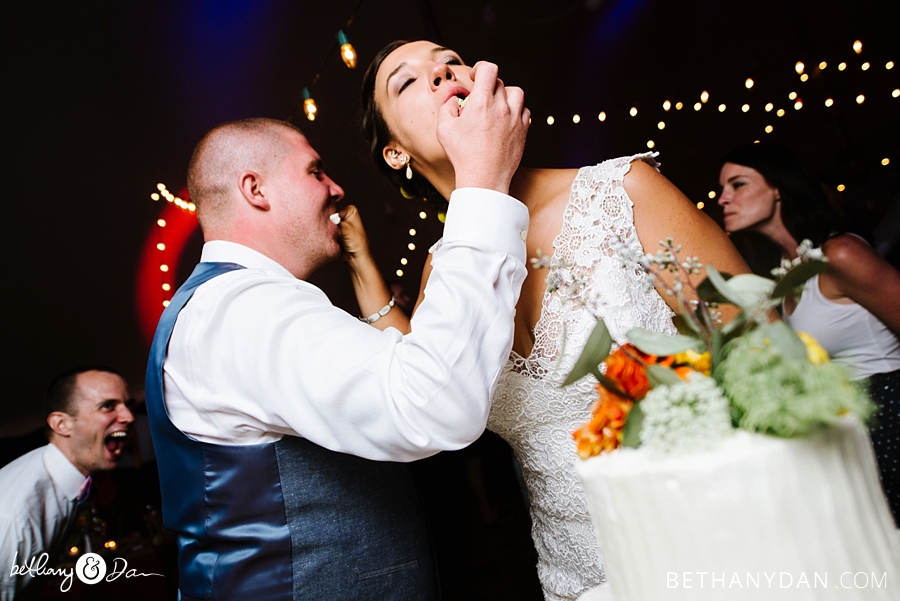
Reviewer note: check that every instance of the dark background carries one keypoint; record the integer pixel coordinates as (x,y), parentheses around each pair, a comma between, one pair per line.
(103,100)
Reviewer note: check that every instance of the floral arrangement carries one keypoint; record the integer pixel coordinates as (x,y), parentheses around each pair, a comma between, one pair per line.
(675,394)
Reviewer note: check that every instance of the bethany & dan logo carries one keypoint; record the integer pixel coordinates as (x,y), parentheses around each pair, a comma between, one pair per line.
(90,569)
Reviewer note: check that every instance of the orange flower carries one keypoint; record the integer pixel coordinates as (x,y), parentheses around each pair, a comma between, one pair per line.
(628,373)
(604,431)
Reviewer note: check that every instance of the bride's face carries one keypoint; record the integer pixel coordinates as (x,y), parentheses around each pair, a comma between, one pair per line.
(411,85)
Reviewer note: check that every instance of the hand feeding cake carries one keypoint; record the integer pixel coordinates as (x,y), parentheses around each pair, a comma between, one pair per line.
(760,517)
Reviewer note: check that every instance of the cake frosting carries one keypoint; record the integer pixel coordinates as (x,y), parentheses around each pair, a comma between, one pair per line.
(759,517)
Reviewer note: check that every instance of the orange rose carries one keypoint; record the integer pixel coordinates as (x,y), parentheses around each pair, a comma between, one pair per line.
(629,374)
(604,431)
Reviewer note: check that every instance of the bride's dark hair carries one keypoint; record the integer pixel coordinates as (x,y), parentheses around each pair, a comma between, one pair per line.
(377,135)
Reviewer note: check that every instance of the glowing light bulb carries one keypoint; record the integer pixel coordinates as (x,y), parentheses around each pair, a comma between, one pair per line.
(403,261)
(661,125)
(667,105)
(857,47)
(780,112)
(704,96)
(411,246)
(164,268)
(166,287)
(650,143)
(860,99)
(885,161)
(829,102)
(889,65)
(399,273)
(712,194)
(422,214)
(896,93)
(769,129)
(822,66)
(841,187)
(602,116)
(798,105)
(865,66)
(697,106)
(749,83)
(165,303)
(745,108)
(633,112)
(412,232)
(191,207)
(576,118)
(161,222)
(700,205)
(799,67)
(73,550)
(842,66)
(721,108)
(769,107)
(792,95)
(804,77)
(550,120)
(159,187)
(678,106)
(348,52)
(309,105)
(161,246)
(154,196)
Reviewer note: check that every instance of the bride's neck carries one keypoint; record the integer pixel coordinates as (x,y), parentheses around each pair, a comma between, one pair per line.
(525,185)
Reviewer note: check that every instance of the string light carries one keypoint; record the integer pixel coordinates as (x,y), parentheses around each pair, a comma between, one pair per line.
(576,118)
(712,194)
(164,268)
(309,105)
(745,108)
(700,205)
(798,105)
(422,215)
(804,77)
(697,106)
(403,261)
(822,66)
(633,111)
(348,52)
(667,105)
(602,116)
(412,232)
(885,161)
(842,66)
(799,67)
(154,196)
(650,143)
(704,96)
(161,246)
(769,107)
(860,99)
(678,106)
(399,273)
(166,287)
(411,246)
(165,303)
(865,66)
(841,187)
(857,47)
(721,108)
(829,102)
(889,65)
(792,95)
(749,83)
(550,120)
(780,112)
(661,125)
(769,129)
(161,222)
(896,93)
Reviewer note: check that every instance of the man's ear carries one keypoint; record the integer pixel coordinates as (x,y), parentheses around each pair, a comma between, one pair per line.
(395,157)
(251,187)
(61,423)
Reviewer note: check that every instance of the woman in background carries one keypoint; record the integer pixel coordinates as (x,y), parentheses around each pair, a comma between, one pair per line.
(852,309)
(577,215)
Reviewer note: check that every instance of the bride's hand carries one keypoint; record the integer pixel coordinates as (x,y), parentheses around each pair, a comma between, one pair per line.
(485,140)
(354,242)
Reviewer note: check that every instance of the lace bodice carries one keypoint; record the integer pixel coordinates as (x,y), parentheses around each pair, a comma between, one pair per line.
(533,413)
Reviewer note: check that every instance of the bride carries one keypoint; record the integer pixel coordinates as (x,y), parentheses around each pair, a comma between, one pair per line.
(578,216)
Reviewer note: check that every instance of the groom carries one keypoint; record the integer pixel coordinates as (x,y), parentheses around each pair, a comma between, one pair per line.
(278,419)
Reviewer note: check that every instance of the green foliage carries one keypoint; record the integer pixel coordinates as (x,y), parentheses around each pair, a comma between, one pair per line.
(595,351)
(656,343)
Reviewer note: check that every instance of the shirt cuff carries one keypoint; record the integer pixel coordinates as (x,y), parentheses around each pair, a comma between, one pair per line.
(488,218)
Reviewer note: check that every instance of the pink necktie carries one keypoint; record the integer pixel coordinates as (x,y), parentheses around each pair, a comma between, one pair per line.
(84,491)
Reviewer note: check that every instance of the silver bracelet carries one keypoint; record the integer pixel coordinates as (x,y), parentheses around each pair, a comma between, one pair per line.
(379,314)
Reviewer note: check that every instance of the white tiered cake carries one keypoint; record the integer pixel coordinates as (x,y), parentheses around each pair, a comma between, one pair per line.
(758,518)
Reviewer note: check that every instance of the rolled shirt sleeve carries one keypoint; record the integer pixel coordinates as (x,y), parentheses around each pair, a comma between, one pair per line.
(256,355)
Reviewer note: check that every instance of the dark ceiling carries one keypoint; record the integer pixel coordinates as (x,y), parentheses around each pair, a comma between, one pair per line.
(105,99)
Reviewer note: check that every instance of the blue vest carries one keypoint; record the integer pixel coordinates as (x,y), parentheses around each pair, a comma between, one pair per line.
(284,520)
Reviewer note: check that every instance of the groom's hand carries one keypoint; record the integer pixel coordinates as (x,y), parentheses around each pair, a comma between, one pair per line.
(485,140)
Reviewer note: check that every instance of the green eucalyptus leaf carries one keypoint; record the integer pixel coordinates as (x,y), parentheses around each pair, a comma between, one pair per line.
(782,337)
(660,375)
(656,343)
(734,326)
(631,433)
(685,324)
(597,348)
(707,292)
(798,276)
(722,287)
(717,344)
(752,284)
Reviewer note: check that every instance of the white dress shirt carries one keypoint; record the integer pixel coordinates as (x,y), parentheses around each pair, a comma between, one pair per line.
(258,354)
(37,495)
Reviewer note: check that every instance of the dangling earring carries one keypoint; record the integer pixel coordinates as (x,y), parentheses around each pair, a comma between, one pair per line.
(409,171)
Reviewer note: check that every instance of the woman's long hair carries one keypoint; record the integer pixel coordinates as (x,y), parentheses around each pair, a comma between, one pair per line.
(377,135)
(805,209)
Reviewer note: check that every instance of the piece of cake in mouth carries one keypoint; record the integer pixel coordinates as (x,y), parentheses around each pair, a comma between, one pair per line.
(759,517)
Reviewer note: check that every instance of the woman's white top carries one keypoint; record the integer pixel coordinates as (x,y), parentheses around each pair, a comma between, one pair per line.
(849,333)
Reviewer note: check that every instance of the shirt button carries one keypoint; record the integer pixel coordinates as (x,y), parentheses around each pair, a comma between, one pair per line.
(523,234)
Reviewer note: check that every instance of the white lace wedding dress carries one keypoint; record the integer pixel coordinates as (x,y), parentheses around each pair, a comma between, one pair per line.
(531,410)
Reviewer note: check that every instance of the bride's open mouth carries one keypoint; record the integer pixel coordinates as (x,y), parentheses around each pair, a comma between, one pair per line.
(115,442)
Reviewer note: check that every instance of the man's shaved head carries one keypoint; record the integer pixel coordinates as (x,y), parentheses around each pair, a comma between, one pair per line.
(226,151)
